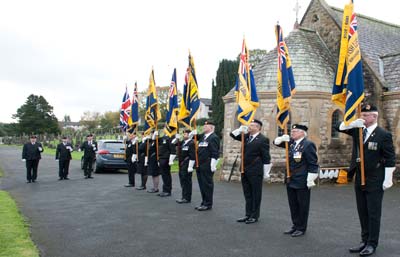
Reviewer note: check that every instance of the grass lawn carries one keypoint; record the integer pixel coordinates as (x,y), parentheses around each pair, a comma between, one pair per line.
(15,240)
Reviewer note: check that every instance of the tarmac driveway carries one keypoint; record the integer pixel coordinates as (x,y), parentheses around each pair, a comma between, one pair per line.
(101,218)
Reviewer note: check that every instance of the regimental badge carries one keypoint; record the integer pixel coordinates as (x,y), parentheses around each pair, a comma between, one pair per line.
(297,156)
(203,144)
(373,146)
(164,141)
(185,148)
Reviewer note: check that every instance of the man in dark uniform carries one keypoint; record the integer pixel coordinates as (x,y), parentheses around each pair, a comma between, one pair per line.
(187,159)
(31,155)
(303,165)
(151,161)
(142,169)
(89,155)
(379,165)
(63,156)
(131,156)
(257,164)
(208,154)
(166,156)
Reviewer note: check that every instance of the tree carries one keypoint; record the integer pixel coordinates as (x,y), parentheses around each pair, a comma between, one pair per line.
(225,81)
(36,116)
(90,120)
(109,120)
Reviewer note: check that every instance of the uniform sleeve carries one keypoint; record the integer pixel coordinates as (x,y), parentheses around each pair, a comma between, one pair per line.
(266,158)
(192,151)
(82,146)
(388,152)
(24,152)
(311,158)
(172,147)
(214,147)
(237,138)
(58,152)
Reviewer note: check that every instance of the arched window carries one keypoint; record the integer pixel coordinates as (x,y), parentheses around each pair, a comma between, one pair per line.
(336,118)
(289,127)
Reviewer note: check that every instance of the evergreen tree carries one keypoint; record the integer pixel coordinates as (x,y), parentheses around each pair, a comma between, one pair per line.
(225,81)
(36,116)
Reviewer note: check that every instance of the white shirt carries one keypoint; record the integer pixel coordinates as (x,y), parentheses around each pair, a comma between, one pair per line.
(370,129)
(253,136)
(297,142)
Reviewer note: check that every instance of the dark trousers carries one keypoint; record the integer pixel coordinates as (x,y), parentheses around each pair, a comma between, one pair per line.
(165,171)
(369,207)
(206,183)
(132,169)
(185,178)
(31,169)
(88,166)
(63,167)
(252,190)
(299,204)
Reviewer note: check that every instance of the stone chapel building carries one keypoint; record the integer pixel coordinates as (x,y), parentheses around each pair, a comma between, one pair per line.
(314,48)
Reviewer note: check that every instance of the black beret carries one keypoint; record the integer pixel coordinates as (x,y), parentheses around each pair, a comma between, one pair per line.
(299,126)
(209,122)
(89,135)
(258,122)
(33,136)
(369,108)
(187,131)
(64,137)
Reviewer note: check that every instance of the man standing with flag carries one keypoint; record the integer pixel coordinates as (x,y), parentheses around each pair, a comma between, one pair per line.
(256,160)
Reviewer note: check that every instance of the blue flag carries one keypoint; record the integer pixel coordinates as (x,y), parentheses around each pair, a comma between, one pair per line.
(171,123)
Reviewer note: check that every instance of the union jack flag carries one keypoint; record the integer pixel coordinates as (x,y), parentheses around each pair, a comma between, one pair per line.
(125,111)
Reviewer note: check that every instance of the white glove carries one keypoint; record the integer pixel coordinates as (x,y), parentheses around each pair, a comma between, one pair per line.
(70,148)
(310,179)
(192,133)
(134,141)
(57,160)
(155,134)
(236,132)
(267,170)
(79,150)
(283,138)
(171,159)
(174,141)
(124,137)
(146,159)
(388,182)
(94,148)
(40,149)
(244,129)
(190,166)
(23,160)
(145,138)
(134,157)
(178,137)
(214,164)
(358,123)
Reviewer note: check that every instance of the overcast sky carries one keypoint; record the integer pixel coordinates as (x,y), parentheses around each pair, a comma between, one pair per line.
(80,54)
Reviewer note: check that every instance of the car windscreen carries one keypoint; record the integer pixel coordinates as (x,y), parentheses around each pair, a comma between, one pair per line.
(113,146)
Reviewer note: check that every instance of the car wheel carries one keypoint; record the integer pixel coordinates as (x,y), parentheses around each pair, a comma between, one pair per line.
(96,168)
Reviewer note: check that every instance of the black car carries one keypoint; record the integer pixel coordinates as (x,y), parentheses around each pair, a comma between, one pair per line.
(109,156)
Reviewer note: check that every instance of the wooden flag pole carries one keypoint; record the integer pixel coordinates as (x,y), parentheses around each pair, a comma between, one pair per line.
(196,147)
(287,157)
(242,163)
(361,147)
(157,138)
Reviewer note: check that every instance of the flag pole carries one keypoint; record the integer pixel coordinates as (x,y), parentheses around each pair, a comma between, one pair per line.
(287,156)
(196,147)
(361,147)
(242,164)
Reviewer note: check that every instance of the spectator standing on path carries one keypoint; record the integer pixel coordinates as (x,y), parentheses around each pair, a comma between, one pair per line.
(63,156)
(31,156)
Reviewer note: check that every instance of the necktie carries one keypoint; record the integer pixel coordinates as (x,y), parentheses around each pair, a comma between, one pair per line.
(364,134)
(250,139)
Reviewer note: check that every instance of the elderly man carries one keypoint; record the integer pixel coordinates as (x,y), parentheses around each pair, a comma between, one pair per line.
(31,155)
(89,148)
(379,165)
(303,166)
(208,154)
(131,156)
(63,156)
(257,164)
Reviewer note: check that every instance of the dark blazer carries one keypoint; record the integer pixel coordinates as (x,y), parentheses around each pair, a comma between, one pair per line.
(299,168)
(186,153)
(89,150)
(62,153)
(31,151)
(378,154)
(130,149)
(256,153)
(165,147)
(208,148)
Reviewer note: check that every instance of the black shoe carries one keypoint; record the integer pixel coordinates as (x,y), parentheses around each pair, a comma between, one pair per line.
(357,248)
(66,178)
(243,219)
(33,181)
(182,201)
(204,208)
(367,251)
(141,188)
(251,220)
(90,177)
(289,232)
(129,185)
(164,194)
(297,233)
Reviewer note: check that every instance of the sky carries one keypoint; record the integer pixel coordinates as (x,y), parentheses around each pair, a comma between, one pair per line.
(81,54)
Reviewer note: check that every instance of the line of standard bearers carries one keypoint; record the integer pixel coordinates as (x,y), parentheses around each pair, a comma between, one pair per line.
(303,165)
